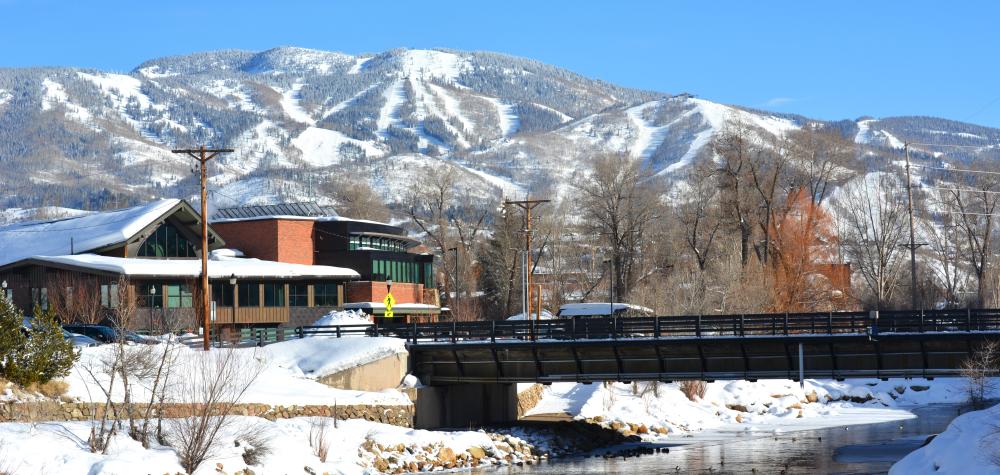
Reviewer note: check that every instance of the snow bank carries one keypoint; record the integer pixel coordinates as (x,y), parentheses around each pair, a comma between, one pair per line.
(345,317)
(546,315)
(287,378)
(753,404)
(967,446)
(320,356)
(61,448)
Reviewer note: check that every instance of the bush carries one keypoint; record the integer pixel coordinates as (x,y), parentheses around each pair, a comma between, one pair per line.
(694,390)
(36,355)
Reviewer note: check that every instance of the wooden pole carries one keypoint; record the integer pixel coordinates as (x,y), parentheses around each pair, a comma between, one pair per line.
(527,205)
(203,155)
(913,244)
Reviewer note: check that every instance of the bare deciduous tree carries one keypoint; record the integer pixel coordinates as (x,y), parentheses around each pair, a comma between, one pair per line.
(874,223)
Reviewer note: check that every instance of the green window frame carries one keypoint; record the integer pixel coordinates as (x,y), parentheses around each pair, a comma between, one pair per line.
(274,294)
(325,294)
(222,294)
(249,295)
(298,295)
(167,241)
(179,296)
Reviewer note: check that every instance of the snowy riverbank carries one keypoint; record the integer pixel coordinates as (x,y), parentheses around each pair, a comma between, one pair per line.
(729,406)
(971,444)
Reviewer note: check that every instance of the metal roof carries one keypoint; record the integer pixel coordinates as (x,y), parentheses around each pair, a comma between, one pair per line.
(307,209)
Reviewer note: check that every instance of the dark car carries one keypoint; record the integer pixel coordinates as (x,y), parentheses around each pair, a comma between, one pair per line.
(105,334)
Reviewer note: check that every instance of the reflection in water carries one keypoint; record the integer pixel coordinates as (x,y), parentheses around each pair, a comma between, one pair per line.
(857,449)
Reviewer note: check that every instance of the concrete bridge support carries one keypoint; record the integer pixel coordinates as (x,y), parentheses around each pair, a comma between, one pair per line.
(464,405)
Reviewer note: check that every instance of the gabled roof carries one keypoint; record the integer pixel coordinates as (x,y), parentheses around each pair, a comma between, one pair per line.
(81,234)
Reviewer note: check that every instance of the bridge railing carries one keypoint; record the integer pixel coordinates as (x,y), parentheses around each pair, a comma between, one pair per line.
(828,323)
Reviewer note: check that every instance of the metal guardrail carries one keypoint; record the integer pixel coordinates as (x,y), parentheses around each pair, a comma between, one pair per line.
(698,326)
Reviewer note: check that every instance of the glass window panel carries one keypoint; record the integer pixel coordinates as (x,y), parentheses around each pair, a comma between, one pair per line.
(274,295)
(249,295)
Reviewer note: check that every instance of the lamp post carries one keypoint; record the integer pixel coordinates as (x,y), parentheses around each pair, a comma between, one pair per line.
(232,303)
(611,286)
(457,274)
(152,292)
(3,292)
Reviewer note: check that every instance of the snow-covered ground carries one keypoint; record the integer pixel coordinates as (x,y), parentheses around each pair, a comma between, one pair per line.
(749,406)
(971,444)
(355,447)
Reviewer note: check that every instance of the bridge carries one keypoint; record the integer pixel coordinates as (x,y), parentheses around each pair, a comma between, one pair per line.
(473,362)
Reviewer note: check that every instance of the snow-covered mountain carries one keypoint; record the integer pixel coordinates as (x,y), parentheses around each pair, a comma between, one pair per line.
(299,118)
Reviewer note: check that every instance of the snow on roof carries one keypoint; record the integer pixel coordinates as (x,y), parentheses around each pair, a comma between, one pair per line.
(598,308)
(93,231)
(219,267)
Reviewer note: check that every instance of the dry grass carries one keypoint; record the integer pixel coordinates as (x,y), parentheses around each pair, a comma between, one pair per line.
(694,390)
(318,438)
(52,389)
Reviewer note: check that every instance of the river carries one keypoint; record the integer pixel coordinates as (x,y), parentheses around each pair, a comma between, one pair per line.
(855,449)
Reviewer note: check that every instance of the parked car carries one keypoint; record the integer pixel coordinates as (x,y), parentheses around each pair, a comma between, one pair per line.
(105,334)
(77,339)
(80,340)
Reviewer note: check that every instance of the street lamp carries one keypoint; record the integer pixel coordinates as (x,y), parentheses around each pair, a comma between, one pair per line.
(152,293)
(3,285)
(611,286)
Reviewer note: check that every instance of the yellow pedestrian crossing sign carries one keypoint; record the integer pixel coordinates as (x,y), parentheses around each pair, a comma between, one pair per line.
(389,301)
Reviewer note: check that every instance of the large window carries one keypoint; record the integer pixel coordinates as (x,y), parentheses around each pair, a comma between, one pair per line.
(40,297)
(109,295)
(274,295)
(325,295)
(222,294)
(150,295)
(179,296)
(298,295)
(249,295)
(166,241)
(354,243)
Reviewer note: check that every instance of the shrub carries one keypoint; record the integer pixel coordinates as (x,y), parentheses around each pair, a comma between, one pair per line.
(694,390)
(37,355)
(51,389)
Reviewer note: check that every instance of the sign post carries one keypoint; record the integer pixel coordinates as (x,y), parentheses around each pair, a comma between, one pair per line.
(389,300)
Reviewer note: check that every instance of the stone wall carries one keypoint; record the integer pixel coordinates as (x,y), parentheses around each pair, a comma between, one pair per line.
(54,411)
(528,399)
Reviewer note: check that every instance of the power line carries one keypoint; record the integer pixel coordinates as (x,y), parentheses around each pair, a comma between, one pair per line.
(963,170)
(960,190)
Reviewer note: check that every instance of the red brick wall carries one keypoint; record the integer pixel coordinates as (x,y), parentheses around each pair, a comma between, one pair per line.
(295,242)
(255,238)
(368,291)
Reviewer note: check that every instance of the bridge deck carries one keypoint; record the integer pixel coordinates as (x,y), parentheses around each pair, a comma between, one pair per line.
(833,345)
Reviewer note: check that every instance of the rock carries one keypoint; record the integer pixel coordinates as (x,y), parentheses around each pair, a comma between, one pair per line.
(919,388)
(618,426)
(739,418)
(598,419)
(445,455)
(796,406)
(380,464)
(900,389)
(642,429)
(476,453)
(812,397)
(800,414)
(664,430)
(737,407)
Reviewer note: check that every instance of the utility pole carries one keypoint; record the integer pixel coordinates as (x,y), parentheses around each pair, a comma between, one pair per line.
(527,205)
(203,155)
(913,244)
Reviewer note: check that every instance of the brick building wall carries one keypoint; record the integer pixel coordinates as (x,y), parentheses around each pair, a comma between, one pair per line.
(295,241)
(257,239)
(280,240)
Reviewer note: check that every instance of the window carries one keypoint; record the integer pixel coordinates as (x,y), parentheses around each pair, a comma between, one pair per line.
(179,296)
(109,295)
(354,243)
(325,295)
(274,295)
(150,295)
(166,241)
(40,297)
(222,294)
(298,295)
(249,295)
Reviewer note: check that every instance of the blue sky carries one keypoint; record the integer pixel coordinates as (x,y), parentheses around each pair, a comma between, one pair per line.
(828,60)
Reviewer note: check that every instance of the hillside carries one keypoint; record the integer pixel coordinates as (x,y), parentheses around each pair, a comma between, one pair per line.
(301,118)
